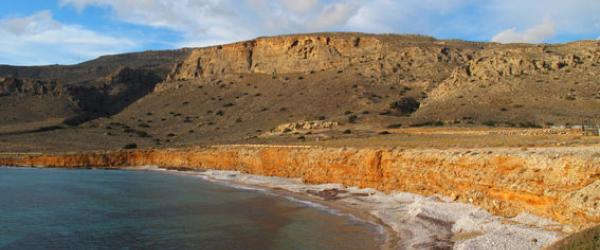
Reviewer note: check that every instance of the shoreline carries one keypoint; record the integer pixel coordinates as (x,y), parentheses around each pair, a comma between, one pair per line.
(485,231)
(455,197)
(388,234)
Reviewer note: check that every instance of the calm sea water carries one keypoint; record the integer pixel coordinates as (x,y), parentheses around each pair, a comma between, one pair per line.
(115,209)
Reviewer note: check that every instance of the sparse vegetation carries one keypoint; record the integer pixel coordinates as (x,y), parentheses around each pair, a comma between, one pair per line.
(395,125)
(437,123)
(352,118)
(489,123)
(385,112)
(405,106)
(529,124)
(142,134)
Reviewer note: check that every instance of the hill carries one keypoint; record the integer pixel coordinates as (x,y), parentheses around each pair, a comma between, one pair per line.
(301,87)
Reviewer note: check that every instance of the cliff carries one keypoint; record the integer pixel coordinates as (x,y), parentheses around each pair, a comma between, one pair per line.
(388,57)
(558,183)
(373,55)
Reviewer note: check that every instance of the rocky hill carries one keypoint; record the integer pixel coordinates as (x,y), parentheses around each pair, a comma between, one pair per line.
(551,82)
(360,82)
(74,94)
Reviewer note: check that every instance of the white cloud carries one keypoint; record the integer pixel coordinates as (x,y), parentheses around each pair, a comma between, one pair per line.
(334,14)
(205,21)
(301,6)
(536,34)
(209,22)
(40,39)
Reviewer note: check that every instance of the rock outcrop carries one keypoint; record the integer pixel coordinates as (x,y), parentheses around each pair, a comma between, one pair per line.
(557,183)
(371,55)
(502,64)
(305,126)
(385,56)
(29,87)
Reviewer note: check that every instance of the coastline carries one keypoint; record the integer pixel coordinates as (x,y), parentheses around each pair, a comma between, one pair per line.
(388,234)
(462,198)
(408,221)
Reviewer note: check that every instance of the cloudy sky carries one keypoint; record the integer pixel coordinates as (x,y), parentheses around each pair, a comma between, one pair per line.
(34,32)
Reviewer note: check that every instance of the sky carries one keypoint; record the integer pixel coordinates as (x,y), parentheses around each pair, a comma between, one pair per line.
(40,32)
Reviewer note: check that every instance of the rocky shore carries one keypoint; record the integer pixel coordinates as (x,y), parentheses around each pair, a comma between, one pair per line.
(559,184)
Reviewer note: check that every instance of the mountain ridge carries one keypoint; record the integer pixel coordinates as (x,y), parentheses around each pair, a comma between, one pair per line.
(362,82)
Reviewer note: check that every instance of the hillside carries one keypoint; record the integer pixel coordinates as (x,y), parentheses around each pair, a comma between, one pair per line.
(300,87)
(73,94)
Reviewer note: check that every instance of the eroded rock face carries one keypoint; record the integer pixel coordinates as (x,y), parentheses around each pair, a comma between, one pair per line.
(229,59)
(372,55)
(31,87)
(444,66)
(506,65)
(560,183)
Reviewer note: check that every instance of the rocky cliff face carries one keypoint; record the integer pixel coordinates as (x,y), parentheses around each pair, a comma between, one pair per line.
(510,64)
(443,67)
(389,57)
(371,55)
(562,183)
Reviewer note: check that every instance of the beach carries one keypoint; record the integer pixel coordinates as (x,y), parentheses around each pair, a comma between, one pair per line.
(410,221)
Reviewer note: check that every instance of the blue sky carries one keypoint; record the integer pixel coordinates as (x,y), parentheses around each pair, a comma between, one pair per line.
(34,32)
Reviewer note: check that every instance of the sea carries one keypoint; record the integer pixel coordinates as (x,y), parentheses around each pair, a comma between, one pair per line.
(127,209)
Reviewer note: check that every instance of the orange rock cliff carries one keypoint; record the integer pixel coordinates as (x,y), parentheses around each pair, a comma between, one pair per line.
(558,183)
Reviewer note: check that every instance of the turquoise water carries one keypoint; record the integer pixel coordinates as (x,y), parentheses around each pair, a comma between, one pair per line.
(118,209)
